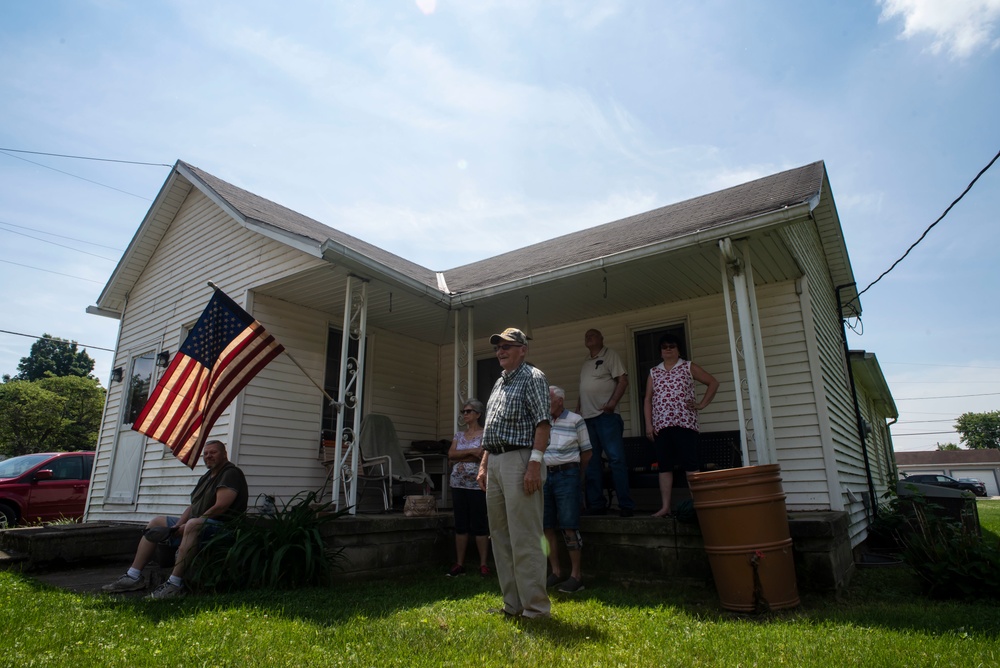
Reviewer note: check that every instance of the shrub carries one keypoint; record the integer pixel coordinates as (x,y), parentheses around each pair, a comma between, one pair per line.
(951,558)
(283,549)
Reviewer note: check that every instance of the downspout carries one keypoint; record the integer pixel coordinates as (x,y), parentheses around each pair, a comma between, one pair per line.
(854,397)
(892,448)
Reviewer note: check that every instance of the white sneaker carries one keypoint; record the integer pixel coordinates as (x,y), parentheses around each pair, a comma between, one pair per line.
(126,583)
(168,590)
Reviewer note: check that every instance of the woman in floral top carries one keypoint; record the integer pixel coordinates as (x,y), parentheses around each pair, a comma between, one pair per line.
(671,410)
(469,500)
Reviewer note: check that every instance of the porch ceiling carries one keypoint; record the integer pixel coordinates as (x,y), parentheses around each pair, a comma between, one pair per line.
(679,275)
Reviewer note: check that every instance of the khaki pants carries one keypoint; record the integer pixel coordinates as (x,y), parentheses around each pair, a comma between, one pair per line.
(516,530)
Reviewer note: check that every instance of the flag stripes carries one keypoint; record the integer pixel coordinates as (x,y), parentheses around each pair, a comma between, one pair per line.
(223,352)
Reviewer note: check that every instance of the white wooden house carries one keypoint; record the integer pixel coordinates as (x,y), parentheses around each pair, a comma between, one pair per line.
(755,278)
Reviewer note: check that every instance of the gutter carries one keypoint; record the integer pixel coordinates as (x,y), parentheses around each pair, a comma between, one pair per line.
(384,273)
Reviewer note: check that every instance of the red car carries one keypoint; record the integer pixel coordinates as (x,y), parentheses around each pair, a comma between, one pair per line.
(44,487)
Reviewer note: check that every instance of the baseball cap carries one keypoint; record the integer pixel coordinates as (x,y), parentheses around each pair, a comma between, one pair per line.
(510,335)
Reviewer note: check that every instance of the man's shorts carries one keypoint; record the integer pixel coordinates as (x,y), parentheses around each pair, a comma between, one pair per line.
(209,529)
(562,499)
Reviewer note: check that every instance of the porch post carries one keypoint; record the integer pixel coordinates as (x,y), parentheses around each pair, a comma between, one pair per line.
(349,391)
(760,409)
(464,354)
(470,370)
(734,355)
(765,391)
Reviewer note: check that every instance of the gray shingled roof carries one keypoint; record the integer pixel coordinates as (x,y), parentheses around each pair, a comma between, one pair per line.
(260,210)
(755,198)
(759,197)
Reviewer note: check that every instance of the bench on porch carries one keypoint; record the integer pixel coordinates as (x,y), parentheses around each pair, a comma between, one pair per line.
(718,450)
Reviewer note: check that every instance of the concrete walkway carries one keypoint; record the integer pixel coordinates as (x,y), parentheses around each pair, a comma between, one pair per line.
(85,579)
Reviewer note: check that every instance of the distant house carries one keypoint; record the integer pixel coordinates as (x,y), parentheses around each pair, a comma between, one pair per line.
(981,464)
(755,279)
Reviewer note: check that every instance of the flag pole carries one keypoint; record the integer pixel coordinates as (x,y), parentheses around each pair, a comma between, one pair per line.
(333,402)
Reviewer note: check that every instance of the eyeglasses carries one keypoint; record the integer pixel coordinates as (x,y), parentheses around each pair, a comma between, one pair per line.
(507,346)
(668,346)
(466,411)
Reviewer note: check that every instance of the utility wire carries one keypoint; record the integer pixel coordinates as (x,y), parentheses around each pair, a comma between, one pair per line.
(49,338)
(75,176)
(83,157)
(57,273)
(951,396)
(61,236)
(54,243)
(940,218)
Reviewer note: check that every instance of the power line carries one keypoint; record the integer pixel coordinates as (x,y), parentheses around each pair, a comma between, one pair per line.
(83,157)
(951,366)
(951,396)
(75,176)
(940,218)
(61,236)
(57,273)
(78,250)
(49,338)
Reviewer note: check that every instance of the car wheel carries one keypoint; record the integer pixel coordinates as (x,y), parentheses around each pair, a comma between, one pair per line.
(8,516)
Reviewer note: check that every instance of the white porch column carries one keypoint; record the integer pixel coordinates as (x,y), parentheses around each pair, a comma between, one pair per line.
(464,356)
(734,356)
(760,407)
(349,390)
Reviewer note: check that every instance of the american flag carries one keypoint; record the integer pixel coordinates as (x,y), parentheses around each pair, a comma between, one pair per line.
(223,352)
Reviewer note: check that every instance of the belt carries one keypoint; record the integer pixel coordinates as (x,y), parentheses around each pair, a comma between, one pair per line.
(564,467)
(500,449)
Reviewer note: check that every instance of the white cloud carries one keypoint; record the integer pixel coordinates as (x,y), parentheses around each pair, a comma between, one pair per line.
(957,26)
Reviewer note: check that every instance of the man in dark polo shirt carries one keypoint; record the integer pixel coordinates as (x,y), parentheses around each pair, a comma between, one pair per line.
(515,436)
(219,495)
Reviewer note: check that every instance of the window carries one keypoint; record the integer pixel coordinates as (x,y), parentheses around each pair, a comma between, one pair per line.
(139,384)
(67,468)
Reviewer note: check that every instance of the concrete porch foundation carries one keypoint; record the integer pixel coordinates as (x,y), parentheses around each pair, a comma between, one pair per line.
(642,548)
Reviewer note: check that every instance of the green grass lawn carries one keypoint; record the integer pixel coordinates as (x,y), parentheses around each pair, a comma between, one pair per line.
(430,620)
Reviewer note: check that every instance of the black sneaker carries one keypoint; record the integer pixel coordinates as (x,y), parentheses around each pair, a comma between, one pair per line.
(456,570)
(553,580)
(571,586)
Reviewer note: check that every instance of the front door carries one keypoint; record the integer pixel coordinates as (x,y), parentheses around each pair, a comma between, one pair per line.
(130,445)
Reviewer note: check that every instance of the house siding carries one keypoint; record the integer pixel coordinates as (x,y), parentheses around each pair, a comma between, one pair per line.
(804,241)
(202,243)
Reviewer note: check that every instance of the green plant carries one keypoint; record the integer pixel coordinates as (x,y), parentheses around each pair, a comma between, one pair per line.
(283,549)
(951,558)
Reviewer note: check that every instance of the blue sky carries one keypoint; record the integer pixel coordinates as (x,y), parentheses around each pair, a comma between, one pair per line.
(451,131)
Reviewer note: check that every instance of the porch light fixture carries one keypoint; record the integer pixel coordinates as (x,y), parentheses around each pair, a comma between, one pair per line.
(117,374)
(163,359)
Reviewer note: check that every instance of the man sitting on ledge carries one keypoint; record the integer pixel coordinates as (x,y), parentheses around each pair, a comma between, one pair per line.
(219,495)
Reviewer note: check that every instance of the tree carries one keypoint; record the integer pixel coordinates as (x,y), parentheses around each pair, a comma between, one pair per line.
(51,356)
(83,409)
(30,418)
(980,431)
(52,414)
(947,446)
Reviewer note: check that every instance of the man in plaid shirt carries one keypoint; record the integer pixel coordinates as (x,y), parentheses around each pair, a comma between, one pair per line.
(515,436)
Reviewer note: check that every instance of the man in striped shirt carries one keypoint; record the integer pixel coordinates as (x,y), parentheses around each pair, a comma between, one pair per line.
(567,455)
(515,436)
